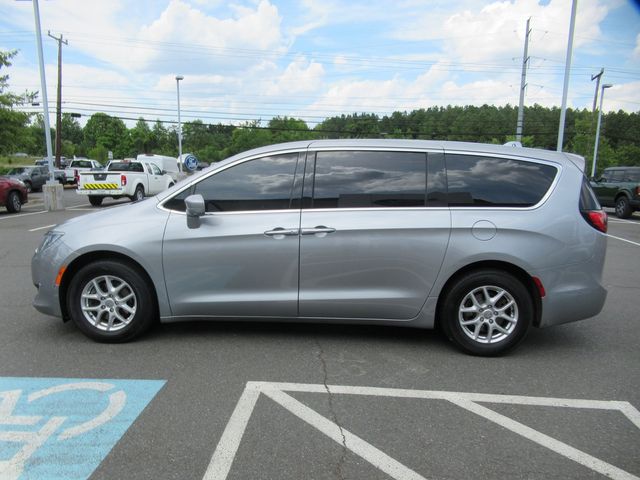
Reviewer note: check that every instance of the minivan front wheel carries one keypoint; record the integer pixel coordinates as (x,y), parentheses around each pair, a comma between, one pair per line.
(487,312)
(111,301)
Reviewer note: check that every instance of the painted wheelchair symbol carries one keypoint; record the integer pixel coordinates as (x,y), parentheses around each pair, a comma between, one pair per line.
(12,468)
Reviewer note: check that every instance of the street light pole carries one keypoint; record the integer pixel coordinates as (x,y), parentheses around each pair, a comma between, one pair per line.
(178,78)
(595,148)
(43,85)
(567,71)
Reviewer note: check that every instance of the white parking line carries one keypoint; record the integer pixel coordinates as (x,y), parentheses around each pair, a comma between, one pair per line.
(624,240)
(225,452)
(22,215)
(42,228)
(624,221)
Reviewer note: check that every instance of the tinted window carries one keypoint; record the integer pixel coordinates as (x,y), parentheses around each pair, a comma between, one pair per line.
(616,175)
(588,199)
(632,176)
(262,184)
(126,167)
(81,164)
(369,179)
(475,181)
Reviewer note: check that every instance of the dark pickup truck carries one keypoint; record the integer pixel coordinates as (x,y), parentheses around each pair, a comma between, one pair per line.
(619,187)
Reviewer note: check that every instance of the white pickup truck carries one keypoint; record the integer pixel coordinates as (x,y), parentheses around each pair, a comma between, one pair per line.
(78,165)
(124,178)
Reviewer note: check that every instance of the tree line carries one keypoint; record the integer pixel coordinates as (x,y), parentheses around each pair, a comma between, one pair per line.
(102,133)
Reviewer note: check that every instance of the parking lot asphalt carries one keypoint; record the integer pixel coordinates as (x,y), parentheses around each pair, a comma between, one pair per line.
(418,414)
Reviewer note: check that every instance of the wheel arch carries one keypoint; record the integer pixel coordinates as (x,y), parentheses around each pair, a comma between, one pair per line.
(91,257)
(622,193)
(514,270)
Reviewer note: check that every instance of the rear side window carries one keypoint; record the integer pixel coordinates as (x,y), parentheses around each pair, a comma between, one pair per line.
(363,179)
(588,199)
(616,175)
(478,181)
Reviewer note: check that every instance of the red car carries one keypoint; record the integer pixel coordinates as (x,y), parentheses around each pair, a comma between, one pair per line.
(13,194)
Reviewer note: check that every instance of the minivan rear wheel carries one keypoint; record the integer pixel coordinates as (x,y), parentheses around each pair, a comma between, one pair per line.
(487,312)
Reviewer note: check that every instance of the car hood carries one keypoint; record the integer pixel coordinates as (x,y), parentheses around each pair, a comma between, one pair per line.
(117,217)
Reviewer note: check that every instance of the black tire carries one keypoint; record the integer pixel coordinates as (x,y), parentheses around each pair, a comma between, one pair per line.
(496,326)
(623,207)
(95,201)
(138,194)
(134,293)
(29,186)
(14,204)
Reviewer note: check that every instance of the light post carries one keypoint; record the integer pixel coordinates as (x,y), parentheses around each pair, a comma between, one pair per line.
(178,78)
(595,148)
(52,190)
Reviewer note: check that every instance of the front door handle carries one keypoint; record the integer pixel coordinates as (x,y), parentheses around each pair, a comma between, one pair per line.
(280,232)
(320,229)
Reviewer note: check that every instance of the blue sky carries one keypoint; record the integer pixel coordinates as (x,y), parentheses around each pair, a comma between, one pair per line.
(316,58)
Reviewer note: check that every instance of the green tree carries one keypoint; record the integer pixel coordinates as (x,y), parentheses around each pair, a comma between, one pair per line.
(141,139)
(109,132)
(13,123)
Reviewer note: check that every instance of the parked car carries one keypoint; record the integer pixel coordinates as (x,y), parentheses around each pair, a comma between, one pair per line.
(13,194)
(78,165)
(619,187)
(33,177)
(59,175)
(124,178)
(44,161)
(483,240)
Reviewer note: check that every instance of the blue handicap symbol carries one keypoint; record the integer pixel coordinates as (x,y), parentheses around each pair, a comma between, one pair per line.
(53,428)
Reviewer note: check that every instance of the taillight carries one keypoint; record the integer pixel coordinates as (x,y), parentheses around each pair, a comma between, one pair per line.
(597,219)
(123,180)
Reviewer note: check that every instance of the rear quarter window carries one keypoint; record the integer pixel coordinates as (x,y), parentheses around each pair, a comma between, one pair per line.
(483,181)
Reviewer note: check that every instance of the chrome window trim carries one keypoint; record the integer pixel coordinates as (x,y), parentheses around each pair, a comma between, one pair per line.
(558,166)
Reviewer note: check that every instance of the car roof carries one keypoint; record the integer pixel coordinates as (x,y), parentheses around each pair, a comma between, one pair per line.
(382,143)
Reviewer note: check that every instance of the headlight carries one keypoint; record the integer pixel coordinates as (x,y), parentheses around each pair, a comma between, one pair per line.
(50,238)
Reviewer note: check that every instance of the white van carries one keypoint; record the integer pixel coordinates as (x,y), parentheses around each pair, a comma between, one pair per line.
(168,164)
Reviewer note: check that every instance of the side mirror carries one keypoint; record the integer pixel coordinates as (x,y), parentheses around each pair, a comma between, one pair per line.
(195,209)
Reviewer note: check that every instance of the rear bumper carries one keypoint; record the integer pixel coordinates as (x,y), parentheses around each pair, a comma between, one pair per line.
(573,294)
(101,193)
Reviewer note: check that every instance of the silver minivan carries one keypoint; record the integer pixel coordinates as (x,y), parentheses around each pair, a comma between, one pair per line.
(484,241)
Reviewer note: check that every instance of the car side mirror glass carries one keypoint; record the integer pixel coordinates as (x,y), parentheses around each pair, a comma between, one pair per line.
(195,209)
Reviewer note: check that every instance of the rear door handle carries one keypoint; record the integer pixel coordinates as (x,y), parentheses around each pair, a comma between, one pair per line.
(317,230)
(280,232)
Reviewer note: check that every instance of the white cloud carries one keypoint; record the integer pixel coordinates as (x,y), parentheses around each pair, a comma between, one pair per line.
(636,51)
(300,76)
(496,31)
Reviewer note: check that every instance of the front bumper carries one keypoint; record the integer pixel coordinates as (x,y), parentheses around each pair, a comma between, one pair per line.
(45,266)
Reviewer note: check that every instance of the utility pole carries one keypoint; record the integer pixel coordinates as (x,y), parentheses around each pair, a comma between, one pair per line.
(595,147)
(523,83)
(597,77)
(59,101)
(595,96)
(567,71)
